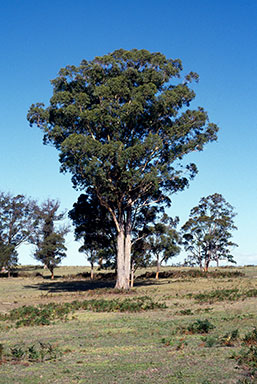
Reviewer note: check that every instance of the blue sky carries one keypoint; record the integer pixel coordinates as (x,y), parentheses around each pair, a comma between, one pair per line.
(217,39)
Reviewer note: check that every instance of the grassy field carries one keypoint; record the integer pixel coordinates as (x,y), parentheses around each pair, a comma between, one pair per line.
(203,333)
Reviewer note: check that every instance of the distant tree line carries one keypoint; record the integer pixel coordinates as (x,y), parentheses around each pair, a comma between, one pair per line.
(22,220)
(206,236)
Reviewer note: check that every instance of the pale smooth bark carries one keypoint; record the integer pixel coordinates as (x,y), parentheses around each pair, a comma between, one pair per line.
(127,256)
(124,251)
(122,281)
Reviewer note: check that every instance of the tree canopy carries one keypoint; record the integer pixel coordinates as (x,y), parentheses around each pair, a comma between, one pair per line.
(95,227)
(17,224)
(122,124)
(207,233)
(49,240)
(163,241)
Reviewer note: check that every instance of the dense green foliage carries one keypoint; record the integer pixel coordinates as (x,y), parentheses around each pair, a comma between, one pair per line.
(17,224)
(163,241)
(50,242)
(232,294)
(122,124)
(46,314)
(36,352)
(95,227)
(200,326)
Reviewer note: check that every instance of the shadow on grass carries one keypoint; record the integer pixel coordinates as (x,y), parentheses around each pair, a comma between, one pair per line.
(84,285)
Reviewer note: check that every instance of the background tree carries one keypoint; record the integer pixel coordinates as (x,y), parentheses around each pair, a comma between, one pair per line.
(50,241)
(17,224)
(95,227)
(121,123)
(140,256)
(163,242)
(207,233)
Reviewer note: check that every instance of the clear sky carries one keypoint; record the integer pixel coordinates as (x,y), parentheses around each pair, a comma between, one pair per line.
(217,39)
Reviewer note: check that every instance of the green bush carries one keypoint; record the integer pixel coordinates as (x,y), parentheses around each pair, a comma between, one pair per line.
(247,356)
(47,313)
(210,341)
(223,295)
(34,352)
(200,326)
(229,338)
(251,337)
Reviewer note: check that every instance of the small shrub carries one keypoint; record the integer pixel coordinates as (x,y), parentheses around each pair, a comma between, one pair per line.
(247,356)
(200,326)
(167,342)
(223,294)
(217,295)
(1,351)
(205,310)
(47,313)
(35,352)
(186,312)
(251,293)
(192,273)
(17,352)
(251,337)
(181,344)
(210,341)
(229,338)
(32,353)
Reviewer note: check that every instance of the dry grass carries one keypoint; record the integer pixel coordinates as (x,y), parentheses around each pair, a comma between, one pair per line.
(147,347)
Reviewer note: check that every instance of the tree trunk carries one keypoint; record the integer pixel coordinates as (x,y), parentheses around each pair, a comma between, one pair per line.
(52,273)
(122,281)
(92,271)
(132,274)
(124,252)
(100,263)
(127,256)
(158,268)
(206,265)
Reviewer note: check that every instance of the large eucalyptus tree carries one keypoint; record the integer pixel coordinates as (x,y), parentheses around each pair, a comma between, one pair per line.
(121,123)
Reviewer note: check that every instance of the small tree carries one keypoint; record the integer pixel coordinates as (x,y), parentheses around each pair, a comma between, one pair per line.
(95,227)
(17,224)
(8,257)
(50,242)
(207,233)
(163,242)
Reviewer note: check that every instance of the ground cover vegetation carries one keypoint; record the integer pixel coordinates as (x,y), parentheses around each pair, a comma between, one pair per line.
(158,332)
(122,125)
